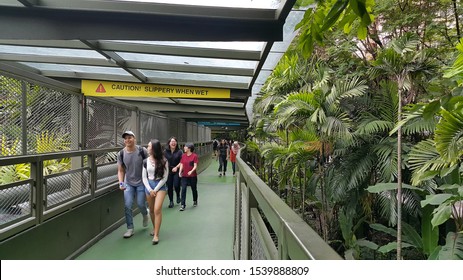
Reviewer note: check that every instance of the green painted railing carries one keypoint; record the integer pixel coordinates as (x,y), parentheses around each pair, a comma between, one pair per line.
(51,216)
(267,228)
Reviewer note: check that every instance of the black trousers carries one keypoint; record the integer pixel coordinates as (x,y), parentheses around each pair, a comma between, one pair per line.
(193,183)
(223,163)
(173,183)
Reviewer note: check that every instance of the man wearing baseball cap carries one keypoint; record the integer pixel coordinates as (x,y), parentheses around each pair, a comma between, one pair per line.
(129,172)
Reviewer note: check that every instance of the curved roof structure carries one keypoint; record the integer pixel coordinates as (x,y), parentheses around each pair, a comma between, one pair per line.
(197,44)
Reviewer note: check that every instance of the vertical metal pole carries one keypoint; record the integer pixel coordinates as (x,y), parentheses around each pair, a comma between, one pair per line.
(23,118)
(77,182)
(37,190)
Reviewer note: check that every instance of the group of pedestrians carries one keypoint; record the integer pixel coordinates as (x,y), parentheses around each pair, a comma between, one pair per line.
(224,151)
(148,174)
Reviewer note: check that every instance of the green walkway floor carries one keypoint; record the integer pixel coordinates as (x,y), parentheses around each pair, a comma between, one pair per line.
(204,232)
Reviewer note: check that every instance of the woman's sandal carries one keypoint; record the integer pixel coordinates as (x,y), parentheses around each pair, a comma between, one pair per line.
(155,240)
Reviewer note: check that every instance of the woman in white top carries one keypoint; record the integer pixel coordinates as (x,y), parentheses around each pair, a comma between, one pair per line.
(155,173)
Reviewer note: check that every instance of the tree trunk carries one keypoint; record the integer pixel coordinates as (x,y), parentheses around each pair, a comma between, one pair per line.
(399,170)
(324,212)
(455,12)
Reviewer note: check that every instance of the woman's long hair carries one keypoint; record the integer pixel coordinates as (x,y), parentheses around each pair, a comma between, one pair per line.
(158,155)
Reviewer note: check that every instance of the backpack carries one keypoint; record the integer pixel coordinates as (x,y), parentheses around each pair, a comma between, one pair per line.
(140,153)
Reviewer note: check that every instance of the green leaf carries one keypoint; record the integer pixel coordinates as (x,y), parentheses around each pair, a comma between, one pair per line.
(435,199)
(431,109)
(435,254)
(362,32)
(392,246)
(367,243)
(441,215)
(429,234)
(449,187)
(381,187)
(411,236)
(333,14)
(380,227)
(453,248)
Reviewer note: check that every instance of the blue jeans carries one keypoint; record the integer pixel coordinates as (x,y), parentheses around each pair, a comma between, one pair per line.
(129,194)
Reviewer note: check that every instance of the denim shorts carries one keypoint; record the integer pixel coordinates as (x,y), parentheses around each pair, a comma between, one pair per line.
(153,184)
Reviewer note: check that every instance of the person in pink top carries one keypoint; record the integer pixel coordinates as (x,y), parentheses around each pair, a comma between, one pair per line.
(233,152)
(188,166)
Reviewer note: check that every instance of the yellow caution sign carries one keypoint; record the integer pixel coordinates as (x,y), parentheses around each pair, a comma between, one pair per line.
(112,89)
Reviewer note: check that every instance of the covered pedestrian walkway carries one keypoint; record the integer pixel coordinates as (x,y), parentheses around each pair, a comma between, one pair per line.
(204,232)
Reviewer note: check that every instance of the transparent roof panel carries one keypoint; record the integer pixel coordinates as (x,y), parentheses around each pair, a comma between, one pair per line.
(49,51)
(244,46)
(182,60)
(258,4)
(76,68)
(195,77)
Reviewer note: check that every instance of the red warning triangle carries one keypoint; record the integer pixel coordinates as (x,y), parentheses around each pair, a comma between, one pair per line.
(100,88)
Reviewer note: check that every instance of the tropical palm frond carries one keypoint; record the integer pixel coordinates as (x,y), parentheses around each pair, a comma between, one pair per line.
(346,89)
(449,135)
(337,126)
(387,203)
(374,126)
(386,152)
(425,162)
(305,134)
(323,76)
(415,121)
(405,43)
(297,104)
(352,172)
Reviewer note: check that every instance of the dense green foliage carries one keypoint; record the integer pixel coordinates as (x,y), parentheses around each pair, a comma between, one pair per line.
(360,127)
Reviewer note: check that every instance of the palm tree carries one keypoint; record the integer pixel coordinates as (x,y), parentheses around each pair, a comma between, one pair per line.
(319,107)
(404,63)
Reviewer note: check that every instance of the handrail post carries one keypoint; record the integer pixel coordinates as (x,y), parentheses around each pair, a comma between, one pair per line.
(91,161)
(37,189)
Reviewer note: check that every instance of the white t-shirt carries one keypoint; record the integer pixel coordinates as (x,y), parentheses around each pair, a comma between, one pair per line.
(148,174)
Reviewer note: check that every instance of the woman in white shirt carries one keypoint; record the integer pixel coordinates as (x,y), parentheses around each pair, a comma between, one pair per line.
(155,173)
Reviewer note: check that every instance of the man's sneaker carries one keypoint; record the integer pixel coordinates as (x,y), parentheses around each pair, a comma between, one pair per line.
(145,221)
(128,233)
(195,203)
(220,174)
(182,208)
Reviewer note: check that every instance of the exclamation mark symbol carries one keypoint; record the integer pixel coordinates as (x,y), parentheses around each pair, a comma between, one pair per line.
(100,88)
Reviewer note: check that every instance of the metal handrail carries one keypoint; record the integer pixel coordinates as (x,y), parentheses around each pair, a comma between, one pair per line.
(32,195)
(256,202)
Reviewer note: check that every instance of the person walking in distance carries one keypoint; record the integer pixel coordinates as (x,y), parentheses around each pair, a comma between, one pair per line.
(188,166)
(215,144)
(173,155)
(233,152)
(129,172)
(155,173)
(223,154)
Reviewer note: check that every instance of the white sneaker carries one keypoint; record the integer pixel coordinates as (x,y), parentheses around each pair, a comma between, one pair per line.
(128,233)
(145,221)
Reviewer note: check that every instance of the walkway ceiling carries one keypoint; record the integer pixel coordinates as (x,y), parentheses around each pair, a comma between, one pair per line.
(180,42)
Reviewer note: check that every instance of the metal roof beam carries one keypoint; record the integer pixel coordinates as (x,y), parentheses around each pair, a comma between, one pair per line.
(170,108)
(144,48)
(43,23)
